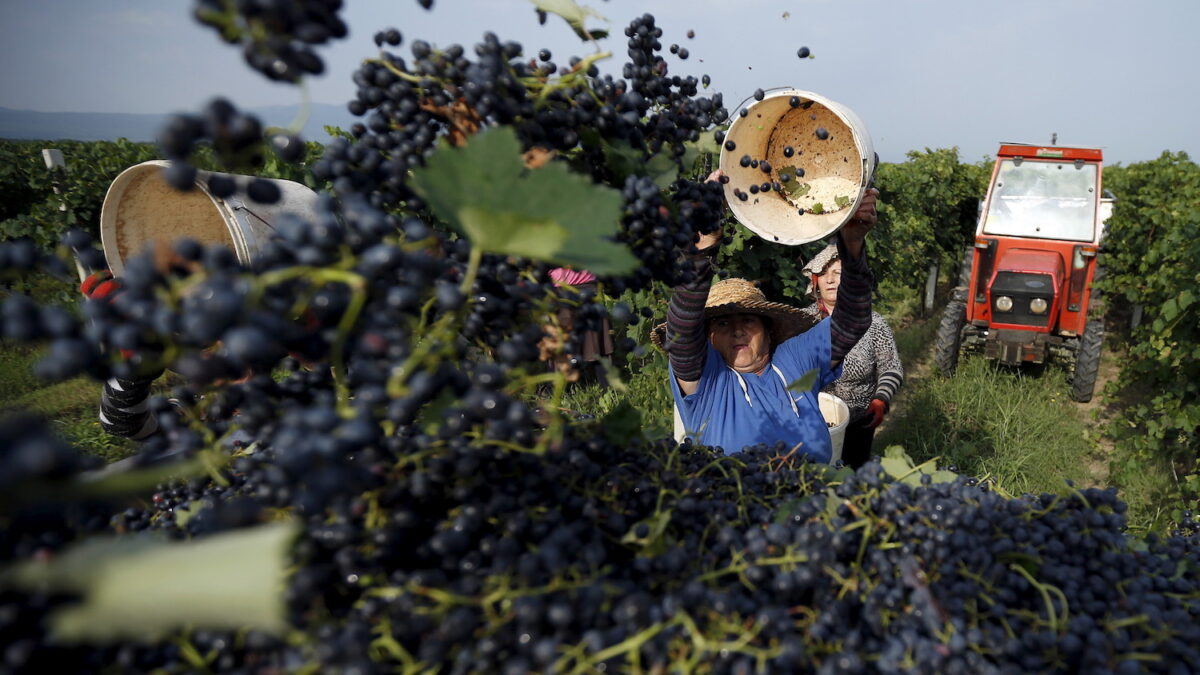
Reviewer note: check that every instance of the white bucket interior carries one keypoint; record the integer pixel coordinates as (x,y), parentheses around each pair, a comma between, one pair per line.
(837,168)
(141,210)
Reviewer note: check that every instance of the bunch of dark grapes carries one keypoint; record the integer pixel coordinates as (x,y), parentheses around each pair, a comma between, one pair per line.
(660,226)
(442,93)
(375,381)
(236,139)
(674,112)
(22,256)
(504,561)
(276,37)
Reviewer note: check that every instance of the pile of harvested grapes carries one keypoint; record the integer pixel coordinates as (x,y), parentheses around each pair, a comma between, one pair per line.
(362,465)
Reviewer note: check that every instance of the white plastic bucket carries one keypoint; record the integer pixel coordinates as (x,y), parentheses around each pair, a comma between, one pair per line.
(141,209)
(837,169)
(836,413)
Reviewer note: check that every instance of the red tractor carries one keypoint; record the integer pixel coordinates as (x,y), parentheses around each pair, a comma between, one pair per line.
(1025,290)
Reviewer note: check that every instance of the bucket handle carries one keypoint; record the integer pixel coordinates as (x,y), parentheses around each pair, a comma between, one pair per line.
(239,205)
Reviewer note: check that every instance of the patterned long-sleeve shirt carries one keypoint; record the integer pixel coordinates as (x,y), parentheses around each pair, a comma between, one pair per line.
(872,369)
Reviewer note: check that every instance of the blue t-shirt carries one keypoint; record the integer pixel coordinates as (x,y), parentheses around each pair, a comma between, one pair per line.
(719,412)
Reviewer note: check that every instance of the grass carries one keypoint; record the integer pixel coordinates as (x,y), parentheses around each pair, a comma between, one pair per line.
(70,406)
(645,388)
(1017,426)
(1150,490)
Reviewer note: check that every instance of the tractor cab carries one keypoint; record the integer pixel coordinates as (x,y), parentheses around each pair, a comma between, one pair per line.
(1025,291)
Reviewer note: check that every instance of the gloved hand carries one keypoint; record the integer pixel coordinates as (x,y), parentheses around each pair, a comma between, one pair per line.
(100,286)
(103,286)
(875,412)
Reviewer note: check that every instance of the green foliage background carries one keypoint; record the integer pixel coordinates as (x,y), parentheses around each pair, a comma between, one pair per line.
(30,208)
(1150,254)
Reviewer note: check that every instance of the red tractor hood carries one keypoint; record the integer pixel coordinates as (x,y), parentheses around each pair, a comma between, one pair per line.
(1032,261)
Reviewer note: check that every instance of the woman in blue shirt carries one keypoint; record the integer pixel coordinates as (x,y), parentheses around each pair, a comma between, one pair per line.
(733,354)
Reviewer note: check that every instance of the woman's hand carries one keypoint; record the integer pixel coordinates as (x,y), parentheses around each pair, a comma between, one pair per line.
(855,232)
(875,412)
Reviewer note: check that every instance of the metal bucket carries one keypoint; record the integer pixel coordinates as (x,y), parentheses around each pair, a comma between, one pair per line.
(837,169)
(141,209)
(836,413)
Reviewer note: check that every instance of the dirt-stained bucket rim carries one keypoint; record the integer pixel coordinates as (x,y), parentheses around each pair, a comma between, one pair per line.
(836,168)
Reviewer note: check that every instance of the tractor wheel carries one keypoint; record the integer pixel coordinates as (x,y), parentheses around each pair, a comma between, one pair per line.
(1087,361)
(949,335)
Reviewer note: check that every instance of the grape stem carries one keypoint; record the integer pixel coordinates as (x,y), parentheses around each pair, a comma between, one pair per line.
(1044,589)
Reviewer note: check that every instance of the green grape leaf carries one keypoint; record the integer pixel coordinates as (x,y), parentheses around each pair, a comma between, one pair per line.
(623,424)
(1185,299)
(706,143)
(896,462)
(142,588)
(574,15)
(841,201)
(663,170)
(896,467)
(818,208)
(943,476)
(512,233)
(1170,310)
(620,158)
(792,186)
(832,475)
(551,214)
(805,382)
(624,161)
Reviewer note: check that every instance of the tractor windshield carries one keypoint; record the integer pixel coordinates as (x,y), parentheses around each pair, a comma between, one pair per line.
(1047,200)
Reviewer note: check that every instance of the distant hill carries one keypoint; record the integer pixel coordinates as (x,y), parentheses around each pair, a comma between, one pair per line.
(53,126)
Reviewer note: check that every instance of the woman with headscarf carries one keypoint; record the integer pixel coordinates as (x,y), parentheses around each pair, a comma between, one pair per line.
(871,371)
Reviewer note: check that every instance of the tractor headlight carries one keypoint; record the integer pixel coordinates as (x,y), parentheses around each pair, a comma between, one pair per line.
(1038,305)
(1004,303)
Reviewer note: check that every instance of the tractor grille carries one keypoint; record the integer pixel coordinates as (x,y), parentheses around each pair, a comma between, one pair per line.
(1023,287)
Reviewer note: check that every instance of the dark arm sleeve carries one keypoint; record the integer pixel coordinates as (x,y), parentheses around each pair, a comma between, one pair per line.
(887,364)
(686,344)
(125,409)
(852,314)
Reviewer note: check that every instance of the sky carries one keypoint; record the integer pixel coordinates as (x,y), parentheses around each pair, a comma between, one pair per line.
(921,73)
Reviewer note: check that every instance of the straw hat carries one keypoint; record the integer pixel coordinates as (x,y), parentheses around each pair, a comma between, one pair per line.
(739,296)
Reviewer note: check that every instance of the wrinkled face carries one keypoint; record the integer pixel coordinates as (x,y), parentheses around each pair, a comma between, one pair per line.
(742,341)
(828,282)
